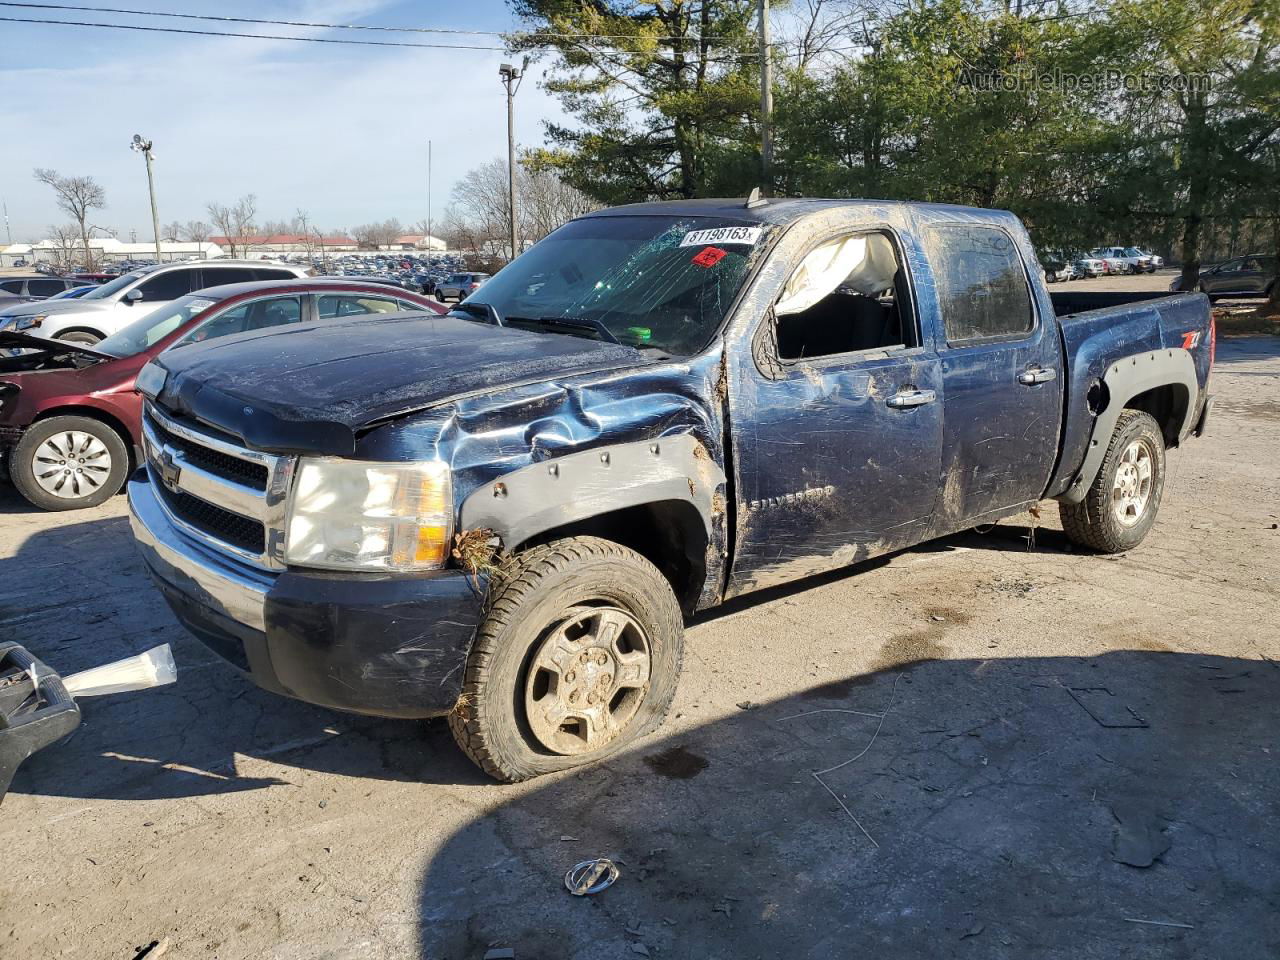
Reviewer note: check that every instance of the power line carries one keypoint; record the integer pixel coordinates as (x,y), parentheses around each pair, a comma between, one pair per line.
(249,36)
(347,26)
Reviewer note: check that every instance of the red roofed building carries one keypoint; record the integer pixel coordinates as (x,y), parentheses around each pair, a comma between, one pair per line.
(276,243)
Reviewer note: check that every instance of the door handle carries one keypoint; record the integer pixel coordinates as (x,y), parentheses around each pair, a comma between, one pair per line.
(1037,375)
(911,398)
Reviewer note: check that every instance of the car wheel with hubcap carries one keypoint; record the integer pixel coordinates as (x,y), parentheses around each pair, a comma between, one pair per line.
(576,658)
(1121,505)
(66,463)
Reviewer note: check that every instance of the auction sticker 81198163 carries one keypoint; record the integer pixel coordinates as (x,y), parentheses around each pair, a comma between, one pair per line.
(722,235)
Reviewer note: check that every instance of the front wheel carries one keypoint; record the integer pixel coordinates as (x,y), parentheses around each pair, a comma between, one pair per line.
(66,463)
(1118,512)
(83,337)
(577,658)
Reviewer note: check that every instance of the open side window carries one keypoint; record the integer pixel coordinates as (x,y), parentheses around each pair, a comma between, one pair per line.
(848,295)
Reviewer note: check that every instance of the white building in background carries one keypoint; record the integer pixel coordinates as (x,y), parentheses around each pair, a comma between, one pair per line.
(107,250)
(418,241)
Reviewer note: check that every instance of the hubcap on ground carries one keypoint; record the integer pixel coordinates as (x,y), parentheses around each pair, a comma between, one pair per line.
(71,465)
(587,679)
(1131,491)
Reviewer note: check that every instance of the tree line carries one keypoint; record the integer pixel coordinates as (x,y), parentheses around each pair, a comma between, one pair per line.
(1126,121)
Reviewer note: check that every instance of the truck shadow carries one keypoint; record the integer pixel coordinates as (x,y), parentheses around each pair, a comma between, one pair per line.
(1004,808)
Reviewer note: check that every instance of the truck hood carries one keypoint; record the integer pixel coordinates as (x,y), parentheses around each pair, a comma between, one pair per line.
(50,307)
(313,388)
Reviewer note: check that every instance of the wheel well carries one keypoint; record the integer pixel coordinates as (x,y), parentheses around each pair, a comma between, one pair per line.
(93,413)
(669,534)
(89,330)
(1167,405)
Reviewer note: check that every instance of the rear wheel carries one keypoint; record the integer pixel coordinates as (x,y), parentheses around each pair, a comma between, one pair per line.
(577,658)
(66,463)
(1120,508)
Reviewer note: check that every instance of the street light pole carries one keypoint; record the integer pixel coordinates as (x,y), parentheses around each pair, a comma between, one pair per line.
(144,147)
(511,80)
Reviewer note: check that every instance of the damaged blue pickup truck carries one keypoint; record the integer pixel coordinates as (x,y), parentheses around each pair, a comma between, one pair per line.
(503,515)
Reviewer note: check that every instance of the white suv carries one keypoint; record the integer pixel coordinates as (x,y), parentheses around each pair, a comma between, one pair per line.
(115,304)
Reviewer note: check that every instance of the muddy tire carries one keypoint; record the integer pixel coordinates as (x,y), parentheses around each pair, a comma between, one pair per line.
(1117,513)
(68,463)
(576,658)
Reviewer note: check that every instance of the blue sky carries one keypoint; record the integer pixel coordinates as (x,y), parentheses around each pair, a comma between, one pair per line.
(340,131)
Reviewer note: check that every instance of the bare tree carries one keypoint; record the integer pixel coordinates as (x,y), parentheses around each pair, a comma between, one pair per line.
(171,231)
(235,222)
(378,235)
(64,245)
(196,231)
(479,213)
(76,196)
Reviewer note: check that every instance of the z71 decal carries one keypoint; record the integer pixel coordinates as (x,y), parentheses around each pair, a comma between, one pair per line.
(1191,340)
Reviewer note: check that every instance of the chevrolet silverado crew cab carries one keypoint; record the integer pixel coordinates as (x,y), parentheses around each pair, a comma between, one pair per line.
(503,515)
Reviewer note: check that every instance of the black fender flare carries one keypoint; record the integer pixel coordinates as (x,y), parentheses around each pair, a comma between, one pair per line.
(541,496)
(1125,379)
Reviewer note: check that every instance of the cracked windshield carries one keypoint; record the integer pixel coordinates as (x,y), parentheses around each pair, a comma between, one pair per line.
(661,283)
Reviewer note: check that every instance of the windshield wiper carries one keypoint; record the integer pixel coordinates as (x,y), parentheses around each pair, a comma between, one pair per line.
(577,323)
(487,311)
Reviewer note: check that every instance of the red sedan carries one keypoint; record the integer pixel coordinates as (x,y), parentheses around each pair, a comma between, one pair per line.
(70,419)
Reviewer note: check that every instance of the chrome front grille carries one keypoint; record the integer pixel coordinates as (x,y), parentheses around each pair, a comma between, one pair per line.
(218,492)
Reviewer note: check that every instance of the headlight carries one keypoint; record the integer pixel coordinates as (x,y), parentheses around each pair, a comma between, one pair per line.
(150,380)
(26,323)
(359,515)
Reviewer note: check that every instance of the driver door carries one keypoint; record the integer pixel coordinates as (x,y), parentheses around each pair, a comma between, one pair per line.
(836,426)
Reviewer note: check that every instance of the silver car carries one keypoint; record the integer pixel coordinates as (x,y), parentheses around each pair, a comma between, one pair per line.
(117,303)
(459,286)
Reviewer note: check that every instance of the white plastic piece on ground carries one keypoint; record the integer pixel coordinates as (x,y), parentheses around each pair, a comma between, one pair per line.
(154,668)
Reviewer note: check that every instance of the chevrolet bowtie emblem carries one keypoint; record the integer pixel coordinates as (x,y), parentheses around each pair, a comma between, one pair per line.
(169,471)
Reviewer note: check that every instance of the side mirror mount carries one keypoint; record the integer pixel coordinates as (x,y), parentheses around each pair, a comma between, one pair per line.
(133,296)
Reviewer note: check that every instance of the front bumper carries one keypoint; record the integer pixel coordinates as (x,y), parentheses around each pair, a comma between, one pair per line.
(379,645)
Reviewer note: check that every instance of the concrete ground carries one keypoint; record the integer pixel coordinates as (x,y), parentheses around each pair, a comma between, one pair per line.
(1004,721)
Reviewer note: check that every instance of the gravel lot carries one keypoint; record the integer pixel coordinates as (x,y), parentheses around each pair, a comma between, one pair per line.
(1018,718)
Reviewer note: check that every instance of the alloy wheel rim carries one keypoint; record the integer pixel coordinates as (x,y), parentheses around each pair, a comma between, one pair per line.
(71,465)
(587,679)
(1131,489)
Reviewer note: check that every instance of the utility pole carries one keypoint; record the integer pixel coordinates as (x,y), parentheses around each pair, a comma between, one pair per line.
(429,247)
(766,100)
(511,80)
(144,147)
(7,232)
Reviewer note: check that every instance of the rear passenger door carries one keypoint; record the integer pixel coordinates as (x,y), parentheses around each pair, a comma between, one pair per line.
(1001,375)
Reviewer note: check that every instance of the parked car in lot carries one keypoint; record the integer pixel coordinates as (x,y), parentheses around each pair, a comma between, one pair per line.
(1089,267)
(69,415)
(459,286)
(117,303)
(71,293)
(1243,277)
(653,410)
(1157,261)
(1056,267)
(1124,259)
(29,289)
